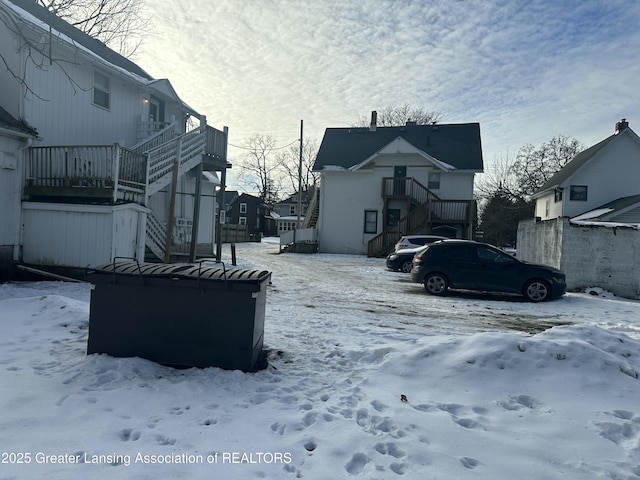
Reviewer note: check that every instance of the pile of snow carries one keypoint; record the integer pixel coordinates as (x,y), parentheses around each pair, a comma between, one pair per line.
(346,393)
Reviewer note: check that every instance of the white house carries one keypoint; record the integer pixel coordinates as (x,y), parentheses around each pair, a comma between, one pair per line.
(120,165)
(380,183)
(588,217)
(607,171)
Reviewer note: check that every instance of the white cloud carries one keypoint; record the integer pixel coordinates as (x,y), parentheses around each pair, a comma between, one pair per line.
(527,71)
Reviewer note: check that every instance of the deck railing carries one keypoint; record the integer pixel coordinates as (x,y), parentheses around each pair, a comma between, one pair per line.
(109,167)
(406,187)
(435,211)
(216,143)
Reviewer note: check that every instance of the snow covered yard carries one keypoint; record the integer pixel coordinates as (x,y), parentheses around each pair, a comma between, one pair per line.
(368,377)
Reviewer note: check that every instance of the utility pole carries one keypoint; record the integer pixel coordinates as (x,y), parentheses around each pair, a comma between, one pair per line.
(298,225)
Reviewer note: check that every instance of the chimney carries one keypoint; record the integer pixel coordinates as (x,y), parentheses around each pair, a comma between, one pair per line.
(621,125)
(374,120)
(411,123)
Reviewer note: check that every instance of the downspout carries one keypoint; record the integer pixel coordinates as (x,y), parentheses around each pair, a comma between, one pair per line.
(18,236)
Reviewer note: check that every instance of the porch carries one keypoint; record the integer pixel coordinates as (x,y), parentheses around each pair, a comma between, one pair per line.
(425,211)
(115,174)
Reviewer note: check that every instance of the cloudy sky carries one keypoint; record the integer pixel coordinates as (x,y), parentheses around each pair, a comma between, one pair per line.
(526,70)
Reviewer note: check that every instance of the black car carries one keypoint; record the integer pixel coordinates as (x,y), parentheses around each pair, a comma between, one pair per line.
(469,265)
(402,260)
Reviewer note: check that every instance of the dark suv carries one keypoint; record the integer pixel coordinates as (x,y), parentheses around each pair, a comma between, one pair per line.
(477,266)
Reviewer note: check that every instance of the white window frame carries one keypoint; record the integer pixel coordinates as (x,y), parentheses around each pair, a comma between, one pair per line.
(242,221)
(243,208)
(433,182)
(101,87)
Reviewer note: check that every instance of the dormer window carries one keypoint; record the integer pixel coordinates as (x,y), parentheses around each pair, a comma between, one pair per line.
(101,90)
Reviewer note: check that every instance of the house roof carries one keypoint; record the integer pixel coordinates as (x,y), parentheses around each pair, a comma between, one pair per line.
(74,34)
(578,161)
(458,145)
(306,195)
(20,127)
(609,211)
(37,15)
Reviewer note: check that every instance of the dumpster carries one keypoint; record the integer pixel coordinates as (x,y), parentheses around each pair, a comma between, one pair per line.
(181,315)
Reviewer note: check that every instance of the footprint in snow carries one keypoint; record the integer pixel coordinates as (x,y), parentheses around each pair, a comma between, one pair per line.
(356,465)
(129,434)
(470,463)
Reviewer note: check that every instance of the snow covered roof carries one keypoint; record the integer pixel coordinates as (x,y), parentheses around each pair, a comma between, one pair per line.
(39,17)
(21,128)
(622,212)
(34,13)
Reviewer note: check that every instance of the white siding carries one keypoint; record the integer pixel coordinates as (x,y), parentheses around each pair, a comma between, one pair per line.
(612,173)
(343,200)
(68,116)
(80,235)
(10,185)
(345,195)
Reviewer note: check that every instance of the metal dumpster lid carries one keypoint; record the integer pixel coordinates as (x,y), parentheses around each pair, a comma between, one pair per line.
(144,269)
(180,270)
(222,274)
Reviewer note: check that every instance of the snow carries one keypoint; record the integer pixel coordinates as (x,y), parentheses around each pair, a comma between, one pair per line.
(368,377)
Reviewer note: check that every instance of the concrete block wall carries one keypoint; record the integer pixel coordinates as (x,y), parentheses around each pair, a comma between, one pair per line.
(590,255)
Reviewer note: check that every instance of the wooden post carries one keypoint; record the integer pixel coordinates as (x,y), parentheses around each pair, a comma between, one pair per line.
(116,172)
(196,214)
(233,254)
(172,202)
(223,181)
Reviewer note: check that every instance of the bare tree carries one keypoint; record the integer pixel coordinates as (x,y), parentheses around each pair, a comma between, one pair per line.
(534,166)
(289,162)
(505,189)
(259,169)
(119,24)
(398,115)
(499,176)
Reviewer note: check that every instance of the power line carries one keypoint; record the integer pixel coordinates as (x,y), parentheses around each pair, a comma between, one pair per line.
(274,148)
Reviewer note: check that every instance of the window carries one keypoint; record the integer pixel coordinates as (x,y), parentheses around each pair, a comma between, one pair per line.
(547,208)
(101,91)
(557,197)
(370,221)
(434,181)
(242,220)
(578,193)
(243,208)
(292,210)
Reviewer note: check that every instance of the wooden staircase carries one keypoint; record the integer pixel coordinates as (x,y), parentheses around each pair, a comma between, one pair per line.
(425,208)
(167,151)
(313,210)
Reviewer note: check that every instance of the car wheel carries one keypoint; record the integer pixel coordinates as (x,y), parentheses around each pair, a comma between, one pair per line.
(407,266)
(436,284)
(536,291)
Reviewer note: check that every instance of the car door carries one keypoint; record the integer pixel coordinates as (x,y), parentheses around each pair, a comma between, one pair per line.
(498,272)
(462,267)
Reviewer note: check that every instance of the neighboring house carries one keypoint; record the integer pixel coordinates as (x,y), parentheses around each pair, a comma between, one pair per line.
(588,217)
(287,211)
(608,170)
(380,183)
(251,211)
(15,137)
(99,181)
